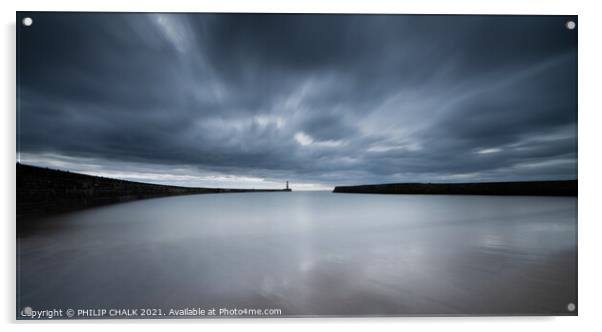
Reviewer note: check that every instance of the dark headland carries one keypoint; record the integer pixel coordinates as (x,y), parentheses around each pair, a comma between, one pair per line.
(42,191)
(523,188)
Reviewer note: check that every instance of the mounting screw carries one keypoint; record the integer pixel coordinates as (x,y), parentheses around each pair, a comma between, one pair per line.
(27,21)
(571,25)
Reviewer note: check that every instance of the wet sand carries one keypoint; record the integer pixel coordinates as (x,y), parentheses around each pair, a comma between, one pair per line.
(309,254)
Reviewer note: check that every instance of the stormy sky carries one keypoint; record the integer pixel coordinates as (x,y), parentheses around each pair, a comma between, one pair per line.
(250,101)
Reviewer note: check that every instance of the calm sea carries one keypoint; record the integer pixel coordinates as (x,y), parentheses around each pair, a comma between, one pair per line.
(308,253)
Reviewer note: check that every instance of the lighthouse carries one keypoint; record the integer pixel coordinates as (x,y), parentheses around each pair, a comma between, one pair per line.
(287,188)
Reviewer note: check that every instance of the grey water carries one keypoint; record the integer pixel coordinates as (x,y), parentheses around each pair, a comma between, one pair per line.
(308,253)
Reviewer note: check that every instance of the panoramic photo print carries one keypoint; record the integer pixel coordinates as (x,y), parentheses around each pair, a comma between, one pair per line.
(204,165)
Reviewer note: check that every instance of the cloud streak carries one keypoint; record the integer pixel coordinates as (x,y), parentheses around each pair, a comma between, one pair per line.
(240,100)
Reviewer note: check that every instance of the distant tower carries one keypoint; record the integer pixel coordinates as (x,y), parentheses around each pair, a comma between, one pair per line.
(287,185)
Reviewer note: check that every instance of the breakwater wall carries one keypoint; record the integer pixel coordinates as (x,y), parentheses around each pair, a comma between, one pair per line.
(42,191)
(523,188)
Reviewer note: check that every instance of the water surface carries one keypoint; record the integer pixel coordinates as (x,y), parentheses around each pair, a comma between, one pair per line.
(308,253)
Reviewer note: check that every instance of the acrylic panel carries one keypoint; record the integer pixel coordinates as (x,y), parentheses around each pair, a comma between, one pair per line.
(221,165)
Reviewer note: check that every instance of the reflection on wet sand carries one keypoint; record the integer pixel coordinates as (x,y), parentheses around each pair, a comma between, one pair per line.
(309,253)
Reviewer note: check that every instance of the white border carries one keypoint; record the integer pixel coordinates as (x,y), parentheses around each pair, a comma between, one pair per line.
(590,108)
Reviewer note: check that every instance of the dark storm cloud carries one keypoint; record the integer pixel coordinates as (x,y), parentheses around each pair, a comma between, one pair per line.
(326,99)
